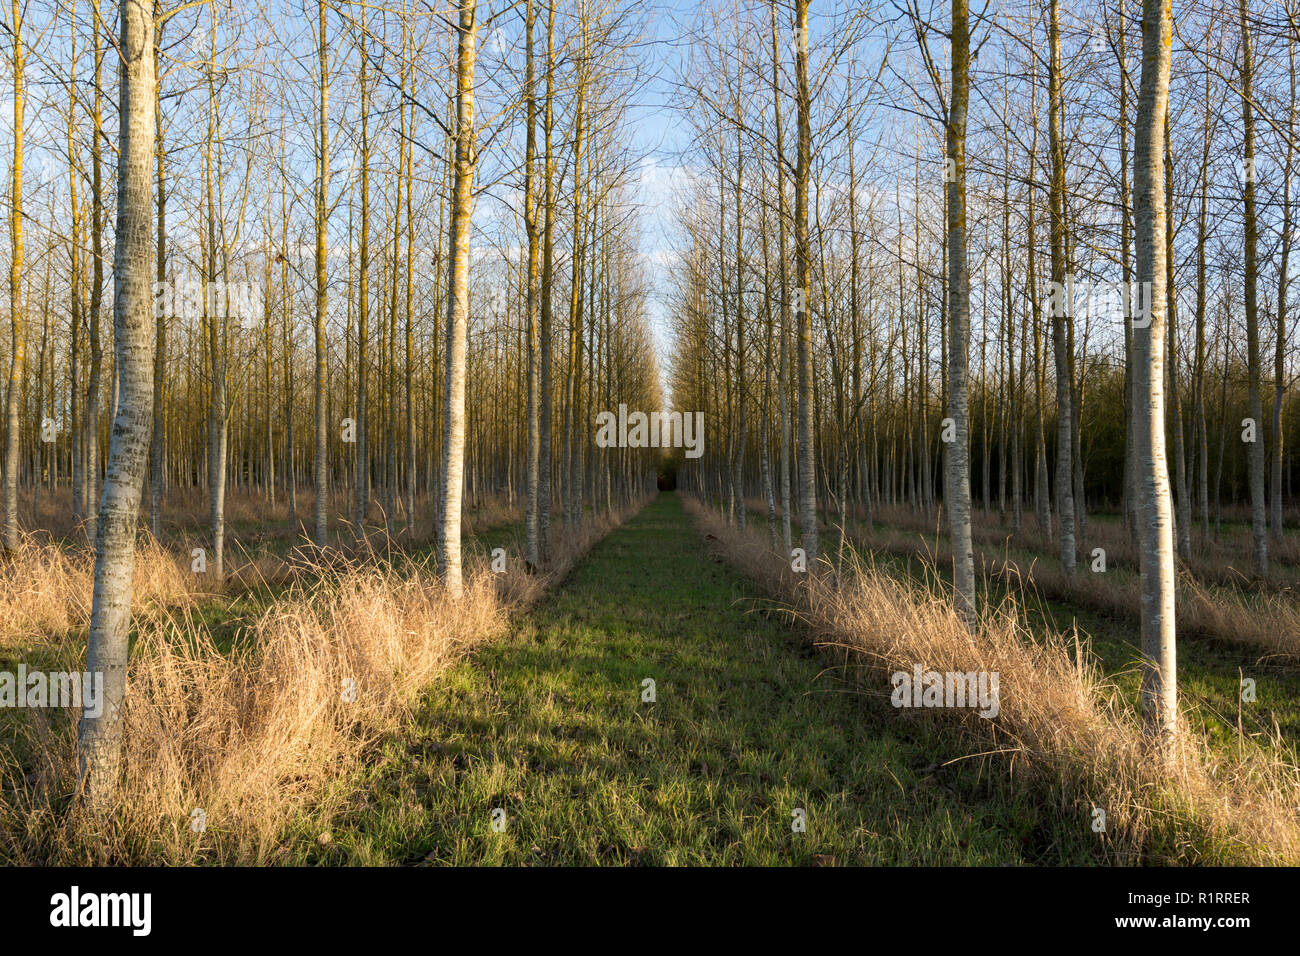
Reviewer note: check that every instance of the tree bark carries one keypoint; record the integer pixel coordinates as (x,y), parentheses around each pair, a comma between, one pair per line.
(1255,449)
(453,454)
(957,486)
(803,291)
(100,737)
(1062,287)
(18,351)
(1155,527)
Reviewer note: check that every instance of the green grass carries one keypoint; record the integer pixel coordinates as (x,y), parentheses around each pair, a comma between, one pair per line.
(749,724)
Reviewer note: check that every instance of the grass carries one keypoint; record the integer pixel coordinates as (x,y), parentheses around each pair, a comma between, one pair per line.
(1210,670)
(257,709)
(762,711)
(1064,725)
(749,724)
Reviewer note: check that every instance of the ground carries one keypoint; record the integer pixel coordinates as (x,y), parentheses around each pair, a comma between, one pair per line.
(749,724)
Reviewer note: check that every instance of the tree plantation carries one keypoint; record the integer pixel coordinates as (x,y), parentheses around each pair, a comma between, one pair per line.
(647,432)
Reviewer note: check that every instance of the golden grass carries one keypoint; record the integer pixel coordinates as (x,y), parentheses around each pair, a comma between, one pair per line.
(259,738)
(1061,725)
(1225,561)
(45,590)
(1269,620)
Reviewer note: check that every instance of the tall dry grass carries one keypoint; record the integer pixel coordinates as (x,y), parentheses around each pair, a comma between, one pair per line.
(1267,620)
(45,589)
(1225,561)
(250,515)
(265,736)
(1061,725)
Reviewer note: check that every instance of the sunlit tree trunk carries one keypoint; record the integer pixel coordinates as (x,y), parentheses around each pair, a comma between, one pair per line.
(533,458)
(100,737)
(157,459)
(19,344)
(361,465)
(1155,525)
(94,381)
(1064,386)
(803,290)
(453,455)
(321,481)
(544,457)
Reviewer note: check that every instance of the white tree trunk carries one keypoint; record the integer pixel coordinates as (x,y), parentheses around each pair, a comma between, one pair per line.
(453,453)
(99,739)
(1155,513)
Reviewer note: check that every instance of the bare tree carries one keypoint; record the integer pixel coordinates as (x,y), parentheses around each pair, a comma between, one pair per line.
(1155,511)
(18,353)
(100,736)
(957,486)
(453,452)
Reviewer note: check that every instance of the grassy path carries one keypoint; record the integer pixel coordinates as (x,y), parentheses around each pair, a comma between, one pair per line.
(748,726)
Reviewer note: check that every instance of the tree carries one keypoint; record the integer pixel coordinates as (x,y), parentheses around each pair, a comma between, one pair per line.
(803,291)
(17,354)
(532,480)
(1155,512)
(1255,449)
(1283,281)
(453,452)
(362,465)
(1062,290)
(957,486)
(321,476)
(157,478)
(100,737)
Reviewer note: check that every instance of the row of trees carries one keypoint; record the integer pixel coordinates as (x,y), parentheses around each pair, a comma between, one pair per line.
(244,201)
(376,254)
(854,353)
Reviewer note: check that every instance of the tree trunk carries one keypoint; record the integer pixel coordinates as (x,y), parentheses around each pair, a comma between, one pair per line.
(100,737)
(1279,355)
(18,353)
(1155,525)
(803,291)
(532,480)
(321,477)
(957,491)
(1255,449)
(453,453)
(1063,288)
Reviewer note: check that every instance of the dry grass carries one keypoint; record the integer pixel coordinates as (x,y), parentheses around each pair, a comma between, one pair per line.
(264,738)
(45,590)
(1226,561)
(248,513)
(1061,726)
(1265,619)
